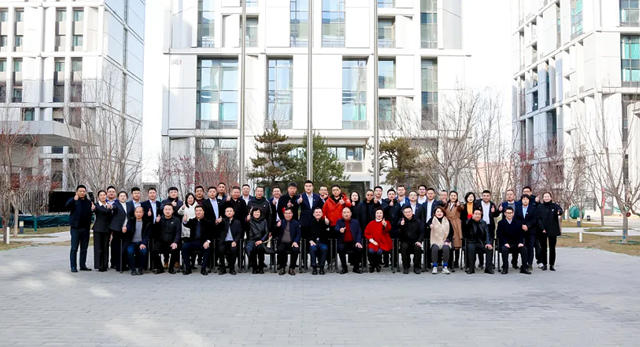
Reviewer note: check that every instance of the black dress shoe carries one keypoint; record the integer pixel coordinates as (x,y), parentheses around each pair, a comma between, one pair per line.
(524,270)
(417,271)
(172,270)
(344,271)
(85,269)
(74,270)
(504,271)
(489,271)
(315,271)
(378,269)
(134,273)
(102,270)
(544,268)
(292,272)
(139,272)
(204,272)
(515,266)
(282,272)
(357,270)
(187,271)
(232,272)
(222,271)
(322,271)
(371,269)
(405,271)
(260,270)
(470,271)
(551,268)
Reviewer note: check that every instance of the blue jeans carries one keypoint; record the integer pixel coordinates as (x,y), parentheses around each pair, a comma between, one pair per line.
(136,255)
(315,259)
(79,237)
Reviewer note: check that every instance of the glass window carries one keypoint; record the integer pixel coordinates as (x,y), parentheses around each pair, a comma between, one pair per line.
(251,36)
(3,66)
(219,155)
(217,95)
(429,94)
(429,23)
(630,60)
(19,15)
(61,14)
(629,12)
(299,33)
(77,42)
(576,18)
(280,106)
(333,23)
(78,15)
(252,3)
(28,114)
(4,15)
(17,65)
(347,153)
(3,41)
(18,42)
(386,32)
(206,23)
(386,112)
(386,73)
(354,94)
(385,3)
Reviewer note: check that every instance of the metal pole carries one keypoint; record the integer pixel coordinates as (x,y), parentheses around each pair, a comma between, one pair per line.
(309,93)
(376,135)
(242,87)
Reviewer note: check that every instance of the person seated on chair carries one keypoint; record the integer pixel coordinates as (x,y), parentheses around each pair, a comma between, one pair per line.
(200,230)
(511,238)
(440,239)
(377,232)
(478,240)
(319,233)
(230,233)
(411,234)
(137,237)
(166,240)
(349,241)
(257,234)
(288,235)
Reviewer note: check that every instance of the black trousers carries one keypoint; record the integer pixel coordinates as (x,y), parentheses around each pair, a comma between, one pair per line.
(101,250)
(407,248)
(514,250)
(553,239)
(478,248)
(226,250)
(531,243)
(164,248)
(354,252)
(188,250)
(118,250)
(79,239)
(285,248)
(255,254)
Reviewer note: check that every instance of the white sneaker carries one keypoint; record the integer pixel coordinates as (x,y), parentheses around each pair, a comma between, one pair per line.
(540,265)
(445,271)
(435,270)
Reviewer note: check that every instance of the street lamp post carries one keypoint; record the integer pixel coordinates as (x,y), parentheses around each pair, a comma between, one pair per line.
(243,45)
(309,93)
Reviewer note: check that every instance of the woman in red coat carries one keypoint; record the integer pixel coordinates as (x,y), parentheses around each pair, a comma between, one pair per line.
(377,233)
(334,205)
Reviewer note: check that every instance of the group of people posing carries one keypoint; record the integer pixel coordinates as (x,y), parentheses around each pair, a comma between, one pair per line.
(180,235)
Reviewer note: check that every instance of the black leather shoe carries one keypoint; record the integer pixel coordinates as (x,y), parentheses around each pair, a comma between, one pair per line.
(378,269)
(371,269)
(515,266)
(134,273)
(187,271)
(544,268)
(489,271)
(204,272)
(417,271)
(281,272)
(470,271)
(102,270)
(74,270)
(261,270)
(292,272)
(524,270)
(232,272)
(139,272)
(222,271)
(315,271)
(357,270)
(504,271)
(344,271)
(551,268)
(172,270)
(85,269)
(405,271)
(322,271)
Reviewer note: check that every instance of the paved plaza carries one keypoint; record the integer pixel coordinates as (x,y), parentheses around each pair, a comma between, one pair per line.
(591,300)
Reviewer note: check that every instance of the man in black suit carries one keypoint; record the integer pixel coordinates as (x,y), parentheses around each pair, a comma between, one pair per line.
(238,205)
(416,208)
(166,241)
(173,200)
(230,233)
(200,240)
(289,200)
(527,214)
(429,205)
(511,238)
(152,212)
(211,205)
(104,212)
(134,202)
(308,202)
(276,194)
(259,202)
(81,210)
(118,227)
(489,214)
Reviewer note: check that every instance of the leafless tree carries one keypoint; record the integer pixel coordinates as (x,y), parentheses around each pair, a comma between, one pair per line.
(185,171)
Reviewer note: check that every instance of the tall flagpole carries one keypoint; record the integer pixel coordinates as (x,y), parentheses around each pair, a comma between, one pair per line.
(309,92)
(243,45)
(376,135)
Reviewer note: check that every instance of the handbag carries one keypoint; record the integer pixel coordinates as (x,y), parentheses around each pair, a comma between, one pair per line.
(269,246)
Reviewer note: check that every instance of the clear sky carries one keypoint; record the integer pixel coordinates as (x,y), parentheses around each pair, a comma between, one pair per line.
(487,27)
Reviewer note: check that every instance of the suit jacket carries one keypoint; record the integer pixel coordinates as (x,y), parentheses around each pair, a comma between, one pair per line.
(426,215)
(294,230)
(146,205)
(131,229)
(209,212)
(356,231)
(237,229)
(103,219)
(131,208)
(168,201)
(510,233)
(306,210)
(207,229)
(80,213)
(492,216)
(239,207)
(120,217)
(531,219)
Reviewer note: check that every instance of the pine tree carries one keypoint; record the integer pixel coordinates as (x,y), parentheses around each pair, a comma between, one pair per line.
(327,169)
(405,163)
(273,162)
